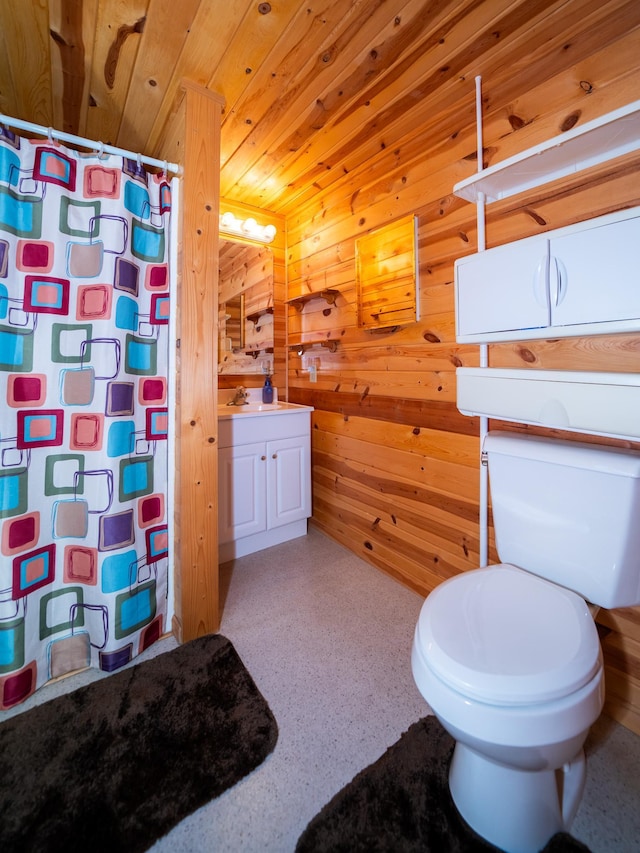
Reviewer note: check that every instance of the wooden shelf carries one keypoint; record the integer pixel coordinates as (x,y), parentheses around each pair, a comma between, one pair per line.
(255,315)
(301,348)
(256,352)
(597,141)
(329,297)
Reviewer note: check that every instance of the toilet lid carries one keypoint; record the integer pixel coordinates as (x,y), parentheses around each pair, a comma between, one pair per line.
(504,636)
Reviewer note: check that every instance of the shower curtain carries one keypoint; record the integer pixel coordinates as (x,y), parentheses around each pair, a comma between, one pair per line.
(84,313)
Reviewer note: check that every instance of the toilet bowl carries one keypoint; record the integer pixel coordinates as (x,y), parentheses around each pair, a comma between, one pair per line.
(511,666)
(508,656)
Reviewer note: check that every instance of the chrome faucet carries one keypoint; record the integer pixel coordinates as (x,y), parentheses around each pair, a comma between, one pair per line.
(240,397)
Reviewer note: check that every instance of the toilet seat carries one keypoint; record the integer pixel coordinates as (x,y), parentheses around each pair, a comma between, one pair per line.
(506,637)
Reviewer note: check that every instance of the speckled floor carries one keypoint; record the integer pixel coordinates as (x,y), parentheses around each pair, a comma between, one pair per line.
(327,639)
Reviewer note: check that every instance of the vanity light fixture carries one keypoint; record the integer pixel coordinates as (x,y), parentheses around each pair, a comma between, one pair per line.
(247,228)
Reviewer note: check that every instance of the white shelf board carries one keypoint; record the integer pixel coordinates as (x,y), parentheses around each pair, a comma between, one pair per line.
(597,141)
(582,401)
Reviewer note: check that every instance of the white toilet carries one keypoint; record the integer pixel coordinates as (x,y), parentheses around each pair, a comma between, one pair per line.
(508,656)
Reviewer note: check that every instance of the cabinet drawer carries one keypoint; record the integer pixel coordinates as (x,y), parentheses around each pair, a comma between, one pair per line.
(245,428)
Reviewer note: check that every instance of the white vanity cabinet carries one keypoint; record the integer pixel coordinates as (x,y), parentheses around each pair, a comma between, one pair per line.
(579,280)
(264,479)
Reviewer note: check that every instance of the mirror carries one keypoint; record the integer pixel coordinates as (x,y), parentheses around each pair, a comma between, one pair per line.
(387,275)
(234,323)
(245,308)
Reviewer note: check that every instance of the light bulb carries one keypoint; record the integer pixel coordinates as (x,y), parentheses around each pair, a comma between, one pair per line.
(269,232)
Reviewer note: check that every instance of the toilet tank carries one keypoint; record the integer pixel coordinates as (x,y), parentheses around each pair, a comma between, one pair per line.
(568,512)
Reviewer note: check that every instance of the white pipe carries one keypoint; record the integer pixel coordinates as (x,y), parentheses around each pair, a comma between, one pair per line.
(480,203)
(484,349)
(479,121)
(40,129)
(484,498)
(482,233)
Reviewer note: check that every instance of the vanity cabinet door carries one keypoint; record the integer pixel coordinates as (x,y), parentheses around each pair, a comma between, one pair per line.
(242,478)
(288,480)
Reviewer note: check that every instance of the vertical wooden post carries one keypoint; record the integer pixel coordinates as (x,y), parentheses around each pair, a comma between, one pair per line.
(197,588)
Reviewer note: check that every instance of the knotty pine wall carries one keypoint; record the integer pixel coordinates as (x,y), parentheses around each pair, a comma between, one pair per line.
(395,466)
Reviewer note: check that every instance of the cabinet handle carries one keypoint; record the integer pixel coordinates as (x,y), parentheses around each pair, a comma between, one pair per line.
(275,456)
(262,458)
(554,281)
(541,282)
(557,280)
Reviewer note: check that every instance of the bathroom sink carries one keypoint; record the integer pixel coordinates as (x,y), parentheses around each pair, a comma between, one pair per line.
(257,408)
(250,407)
(253,405)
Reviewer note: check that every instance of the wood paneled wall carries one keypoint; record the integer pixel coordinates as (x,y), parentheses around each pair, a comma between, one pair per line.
(395,466)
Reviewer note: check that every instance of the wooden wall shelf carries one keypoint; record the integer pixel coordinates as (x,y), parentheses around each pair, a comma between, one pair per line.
(299,302)
(256,352)
(301,348)
(255,315)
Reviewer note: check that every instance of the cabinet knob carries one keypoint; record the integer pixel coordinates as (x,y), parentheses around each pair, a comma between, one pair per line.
(275,456)
(263,458)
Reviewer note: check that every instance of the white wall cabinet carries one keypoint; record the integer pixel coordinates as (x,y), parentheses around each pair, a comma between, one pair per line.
(579,280)
(264,487)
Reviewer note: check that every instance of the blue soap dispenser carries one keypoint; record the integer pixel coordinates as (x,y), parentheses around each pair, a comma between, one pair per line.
(267,390)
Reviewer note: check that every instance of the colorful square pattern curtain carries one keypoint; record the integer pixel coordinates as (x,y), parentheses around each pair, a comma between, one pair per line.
(84,314)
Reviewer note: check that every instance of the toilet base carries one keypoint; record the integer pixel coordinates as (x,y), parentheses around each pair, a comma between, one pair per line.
(517,810)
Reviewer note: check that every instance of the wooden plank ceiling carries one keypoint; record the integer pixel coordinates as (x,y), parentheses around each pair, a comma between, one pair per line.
(312,90)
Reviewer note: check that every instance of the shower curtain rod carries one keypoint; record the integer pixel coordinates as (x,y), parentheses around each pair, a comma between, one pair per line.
(40,129)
